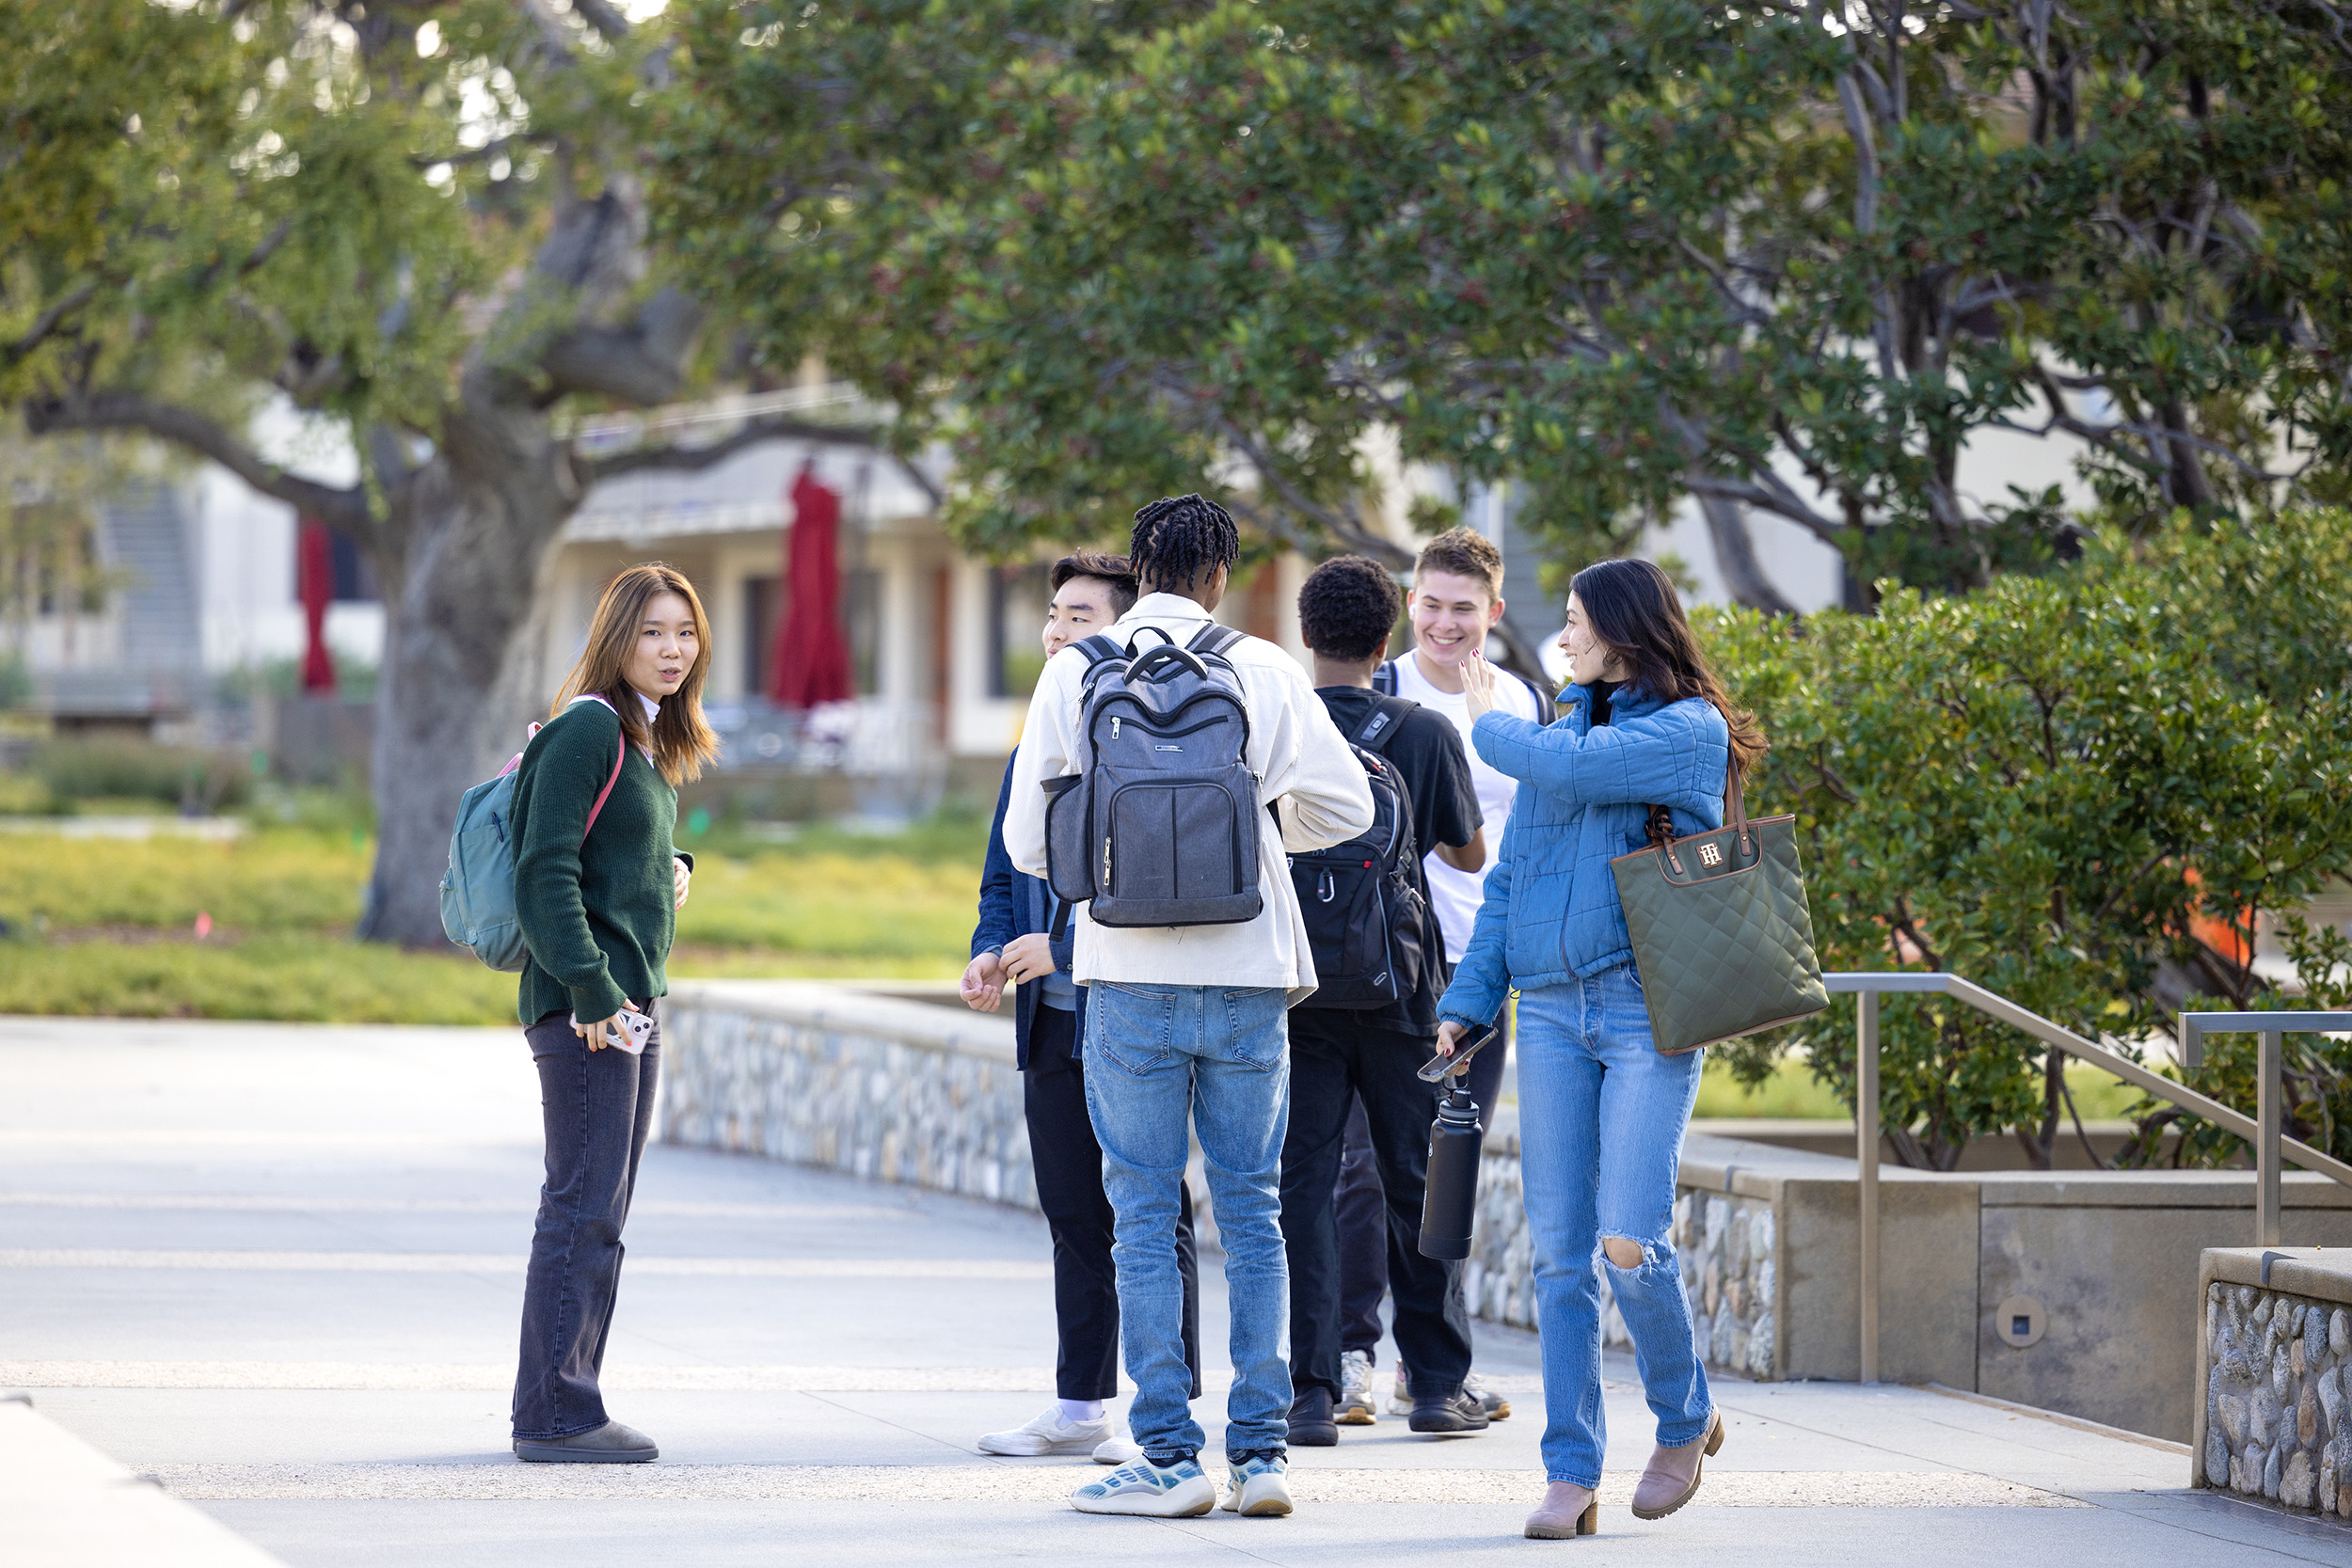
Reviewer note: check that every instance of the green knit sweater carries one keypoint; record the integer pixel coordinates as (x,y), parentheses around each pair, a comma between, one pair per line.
(597,915)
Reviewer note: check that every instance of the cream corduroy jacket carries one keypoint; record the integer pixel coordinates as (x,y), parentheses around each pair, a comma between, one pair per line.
(1303,764)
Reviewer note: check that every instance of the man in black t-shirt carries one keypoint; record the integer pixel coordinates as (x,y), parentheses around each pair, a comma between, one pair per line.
(1337,1056)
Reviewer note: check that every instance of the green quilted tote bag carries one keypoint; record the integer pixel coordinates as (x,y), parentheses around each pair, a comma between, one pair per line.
(1721,934)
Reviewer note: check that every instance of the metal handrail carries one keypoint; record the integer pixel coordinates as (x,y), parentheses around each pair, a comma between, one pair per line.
(2261,1130)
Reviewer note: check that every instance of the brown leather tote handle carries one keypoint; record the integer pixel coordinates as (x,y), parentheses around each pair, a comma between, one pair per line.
(1660,824)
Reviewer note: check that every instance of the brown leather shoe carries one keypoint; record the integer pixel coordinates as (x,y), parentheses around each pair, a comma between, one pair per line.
(1672,1476)
(1566,1511)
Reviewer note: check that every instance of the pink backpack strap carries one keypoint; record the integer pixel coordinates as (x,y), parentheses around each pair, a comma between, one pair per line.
(618,757)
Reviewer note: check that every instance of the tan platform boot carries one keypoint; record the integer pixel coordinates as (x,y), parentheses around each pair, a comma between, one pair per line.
(1566,1511)
(1672,1476)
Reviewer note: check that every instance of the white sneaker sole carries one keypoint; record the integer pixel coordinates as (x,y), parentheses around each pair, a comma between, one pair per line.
(1003,1448)
(1267,1498)
(1188,1501)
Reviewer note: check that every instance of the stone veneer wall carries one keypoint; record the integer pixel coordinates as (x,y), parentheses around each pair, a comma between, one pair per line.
(2276,1423)
(873,1085)
(1727,1245)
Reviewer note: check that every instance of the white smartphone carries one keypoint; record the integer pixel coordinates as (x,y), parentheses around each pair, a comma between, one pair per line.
(635,1030)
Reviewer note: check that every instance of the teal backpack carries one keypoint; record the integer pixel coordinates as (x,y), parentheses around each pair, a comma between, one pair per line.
(478,888)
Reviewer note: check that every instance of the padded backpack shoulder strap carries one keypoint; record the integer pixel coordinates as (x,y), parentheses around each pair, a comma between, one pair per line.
(1097,648)
(1546,710)
(1384,678)
(1214,639)
(1379,728)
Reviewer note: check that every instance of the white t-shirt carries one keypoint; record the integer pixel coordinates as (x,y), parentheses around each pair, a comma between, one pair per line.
(1457,895)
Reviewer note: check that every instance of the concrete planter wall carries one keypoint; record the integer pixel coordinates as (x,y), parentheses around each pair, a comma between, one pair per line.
(2272,1416)
(2102,1266)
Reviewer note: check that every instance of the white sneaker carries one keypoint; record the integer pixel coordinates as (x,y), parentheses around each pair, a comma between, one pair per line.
(1497,1407)
(1182,1491)
(1048,1434)
(1401,1400)
(1118,1449)
(1355,1405)
(1260,1488)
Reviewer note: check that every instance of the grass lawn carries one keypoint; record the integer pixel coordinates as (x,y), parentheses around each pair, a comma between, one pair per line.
(1793,1092)
(109,925)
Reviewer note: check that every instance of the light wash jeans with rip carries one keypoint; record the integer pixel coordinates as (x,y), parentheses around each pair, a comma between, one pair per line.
(1160,1059)
(1601,1118)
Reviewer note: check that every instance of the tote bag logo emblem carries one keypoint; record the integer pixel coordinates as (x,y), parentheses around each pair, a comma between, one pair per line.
(1710,855)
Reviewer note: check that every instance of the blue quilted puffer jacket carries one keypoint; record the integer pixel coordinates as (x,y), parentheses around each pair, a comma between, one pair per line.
(1552,912)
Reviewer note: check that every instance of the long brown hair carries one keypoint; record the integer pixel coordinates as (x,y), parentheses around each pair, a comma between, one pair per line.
(1632,608)
(679,740)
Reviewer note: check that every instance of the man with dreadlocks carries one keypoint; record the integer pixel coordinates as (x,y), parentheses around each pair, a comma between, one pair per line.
(1188,1023)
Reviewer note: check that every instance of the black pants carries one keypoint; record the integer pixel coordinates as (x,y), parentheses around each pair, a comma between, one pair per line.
(1068,1165)
(1364,1212)
(597,1106)
(1335,1061)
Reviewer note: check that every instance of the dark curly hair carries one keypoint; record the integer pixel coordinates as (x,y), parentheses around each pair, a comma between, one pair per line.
(1181,540)
(1347,608)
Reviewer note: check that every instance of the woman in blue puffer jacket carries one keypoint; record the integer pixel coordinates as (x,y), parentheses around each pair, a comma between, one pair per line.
(1601,1114)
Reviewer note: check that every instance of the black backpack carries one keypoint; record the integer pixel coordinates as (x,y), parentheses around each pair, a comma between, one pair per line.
(1159,826)
(1384,682)
(1366,922)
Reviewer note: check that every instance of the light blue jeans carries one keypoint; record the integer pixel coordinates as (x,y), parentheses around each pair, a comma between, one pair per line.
(1159,1058)
(1601,1118)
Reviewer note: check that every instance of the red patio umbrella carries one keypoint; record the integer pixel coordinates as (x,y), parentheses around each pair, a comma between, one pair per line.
(314,582)
(812,662)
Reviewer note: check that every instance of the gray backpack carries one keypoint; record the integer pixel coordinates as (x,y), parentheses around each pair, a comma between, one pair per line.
(1159,826)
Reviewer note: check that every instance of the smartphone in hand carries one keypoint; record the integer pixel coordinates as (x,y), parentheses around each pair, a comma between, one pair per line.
(635,1030)
(1470,1045)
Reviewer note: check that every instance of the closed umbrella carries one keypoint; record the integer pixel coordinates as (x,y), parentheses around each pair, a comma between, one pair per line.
(812,662)
(314,581)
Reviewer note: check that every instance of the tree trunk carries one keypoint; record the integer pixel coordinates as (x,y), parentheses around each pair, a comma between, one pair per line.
(1735,556)
(470,534)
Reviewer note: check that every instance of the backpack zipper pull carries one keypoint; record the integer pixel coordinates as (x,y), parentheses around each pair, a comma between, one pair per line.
(1114,727)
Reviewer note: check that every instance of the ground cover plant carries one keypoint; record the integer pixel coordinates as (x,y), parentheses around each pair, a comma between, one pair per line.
(2081,790)
(260,927)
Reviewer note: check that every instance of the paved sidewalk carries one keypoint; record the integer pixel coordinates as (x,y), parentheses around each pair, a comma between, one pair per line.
(280,1270)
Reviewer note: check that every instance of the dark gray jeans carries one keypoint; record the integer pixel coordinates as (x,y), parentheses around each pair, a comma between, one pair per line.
(598,1108)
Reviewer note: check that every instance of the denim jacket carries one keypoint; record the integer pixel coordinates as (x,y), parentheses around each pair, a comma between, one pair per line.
(1551,913)
(1014,905)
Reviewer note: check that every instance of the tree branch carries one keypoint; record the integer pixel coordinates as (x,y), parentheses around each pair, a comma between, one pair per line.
(344,507)
(604,17)
(50,320)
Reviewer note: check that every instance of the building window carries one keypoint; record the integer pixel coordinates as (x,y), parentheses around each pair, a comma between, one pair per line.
(1018,596)
(861,617)
(759,635)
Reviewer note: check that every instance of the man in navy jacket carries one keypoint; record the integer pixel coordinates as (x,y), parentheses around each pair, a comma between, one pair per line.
(1014,941)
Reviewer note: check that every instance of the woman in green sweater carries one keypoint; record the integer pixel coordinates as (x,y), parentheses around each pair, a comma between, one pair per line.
(598,902)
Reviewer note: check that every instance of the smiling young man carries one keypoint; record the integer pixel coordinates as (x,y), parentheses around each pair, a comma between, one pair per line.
(1013,945)
(1457,600)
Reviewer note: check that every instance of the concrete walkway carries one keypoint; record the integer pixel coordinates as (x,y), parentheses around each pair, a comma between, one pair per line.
(279,1270)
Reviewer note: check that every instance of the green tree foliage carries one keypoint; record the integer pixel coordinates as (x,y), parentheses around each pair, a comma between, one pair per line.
(422,220)
(2079,790)
(1785,257)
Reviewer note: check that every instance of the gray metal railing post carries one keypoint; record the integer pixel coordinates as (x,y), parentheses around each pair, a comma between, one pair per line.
(2267,1132)
(2265,1129)
(2267,1093)
(1865,1133)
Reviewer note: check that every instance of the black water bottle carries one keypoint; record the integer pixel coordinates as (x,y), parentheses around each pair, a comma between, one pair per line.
(1449,1204)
